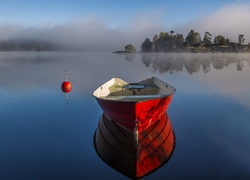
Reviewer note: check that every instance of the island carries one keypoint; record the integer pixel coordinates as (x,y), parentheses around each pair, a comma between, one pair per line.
(128,49)
(26,44)
(171,42)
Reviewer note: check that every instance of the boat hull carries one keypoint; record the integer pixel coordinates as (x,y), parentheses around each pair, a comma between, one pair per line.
(135,116)
(134,156)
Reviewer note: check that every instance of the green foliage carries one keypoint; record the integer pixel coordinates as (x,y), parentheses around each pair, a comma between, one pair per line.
(163,35)
(193,38)
(220,40)
(147,45)
(235,47)
(163,42)
(207,38)
(179,41)
(155,38)
(26,45)
(130,48)
(171,42)
(241,39)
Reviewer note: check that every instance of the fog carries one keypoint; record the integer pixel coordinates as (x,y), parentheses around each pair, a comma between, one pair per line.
(85,33)
(93,33)
(229,21)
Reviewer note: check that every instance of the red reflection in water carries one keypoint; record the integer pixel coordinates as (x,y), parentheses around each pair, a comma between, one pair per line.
(134,155)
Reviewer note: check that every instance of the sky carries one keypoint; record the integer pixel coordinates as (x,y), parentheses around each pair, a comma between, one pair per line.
(110,25)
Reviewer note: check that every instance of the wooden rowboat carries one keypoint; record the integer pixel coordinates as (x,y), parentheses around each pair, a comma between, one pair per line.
(134,106)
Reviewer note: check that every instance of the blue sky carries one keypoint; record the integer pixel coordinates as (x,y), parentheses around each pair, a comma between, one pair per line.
(131,19)
(58,11)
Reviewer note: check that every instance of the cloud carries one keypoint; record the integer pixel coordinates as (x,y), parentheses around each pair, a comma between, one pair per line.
(86,33)
(93,33)
(8,30)
(229,21)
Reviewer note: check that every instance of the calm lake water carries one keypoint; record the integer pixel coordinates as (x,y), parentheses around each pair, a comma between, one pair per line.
(44,137)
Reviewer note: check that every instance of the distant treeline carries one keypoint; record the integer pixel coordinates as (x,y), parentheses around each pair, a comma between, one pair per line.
(27,45)
(171,42)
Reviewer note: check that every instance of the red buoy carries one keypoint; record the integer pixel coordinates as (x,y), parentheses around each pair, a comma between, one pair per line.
(66,86)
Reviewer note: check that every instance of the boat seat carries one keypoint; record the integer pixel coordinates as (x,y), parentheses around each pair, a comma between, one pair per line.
(134,96)
(132,86)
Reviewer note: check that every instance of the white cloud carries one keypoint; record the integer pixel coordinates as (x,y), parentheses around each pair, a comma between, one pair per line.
(8,30)
(96,33)
(229,21)
(87,33)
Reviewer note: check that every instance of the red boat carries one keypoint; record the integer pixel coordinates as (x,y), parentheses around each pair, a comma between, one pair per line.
(134,106)
(131,155)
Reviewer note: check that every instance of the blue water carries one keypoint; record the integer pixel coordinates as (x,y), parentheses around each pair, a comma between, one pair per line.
(44,137)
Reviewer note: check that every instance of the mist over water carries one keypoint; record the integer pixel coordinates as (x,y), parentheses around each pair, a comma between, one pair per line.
(44,137)
(47,134)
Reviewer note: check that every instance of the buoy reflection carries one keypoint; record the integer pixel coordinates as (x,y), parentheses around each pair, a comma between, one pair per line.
(134,157)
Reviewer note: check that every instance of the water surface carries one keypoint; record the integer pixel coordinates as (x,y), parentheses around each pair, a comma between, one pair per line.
(44,137)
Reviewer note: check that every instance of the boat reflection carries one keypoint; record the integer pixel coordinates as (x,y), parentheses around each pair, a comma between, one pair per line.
(134,155)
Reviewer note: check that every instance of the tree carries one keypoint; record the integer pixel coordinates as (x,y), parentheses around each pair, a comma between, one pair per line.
(207,38)
(168,42)
(241,39)
(155,41)
(163,34)
(179,41)
(220,40)
(130,48)
(172,33)
(147,45)
(163,42)
(235,47)
(172,39)
(193,38)
(155,38)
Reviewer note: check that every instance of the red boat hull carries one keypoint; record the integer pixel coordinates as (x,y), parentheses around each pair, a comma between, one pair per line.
(135,158)
(135,115)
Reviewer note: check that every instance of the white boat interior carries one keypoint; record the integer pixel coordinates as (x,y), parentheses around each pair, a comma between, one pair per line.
(117,89)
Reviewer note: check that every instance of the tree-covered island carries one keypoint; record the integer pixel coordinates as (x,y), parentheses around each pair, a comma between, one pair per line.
(171,42)
(128,49)
(20,44)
